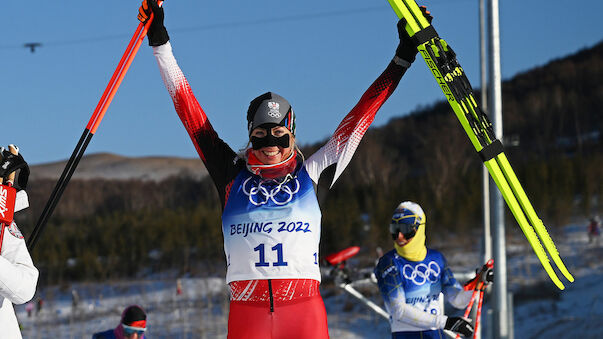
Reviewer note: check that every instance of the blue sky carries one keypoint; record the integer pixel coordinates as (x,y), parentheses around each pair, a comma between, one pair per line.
(320,55)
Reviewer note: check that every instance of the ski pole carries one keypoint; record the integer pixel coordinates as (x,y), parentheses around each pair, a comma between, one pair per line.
(468,309)
(479,288)
(91,127)
(479,311)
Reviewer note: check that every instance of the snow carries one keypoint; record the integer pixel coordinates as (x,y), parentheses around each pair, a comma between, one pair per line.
(201,311)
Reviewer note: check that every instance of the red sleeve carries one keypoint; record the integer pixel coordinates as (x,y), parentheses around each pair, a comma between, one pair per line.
(341,146)
(219,159)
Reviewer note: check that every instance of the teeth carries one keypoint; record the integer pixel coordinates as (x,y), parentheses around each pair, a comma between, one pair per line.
(270,154)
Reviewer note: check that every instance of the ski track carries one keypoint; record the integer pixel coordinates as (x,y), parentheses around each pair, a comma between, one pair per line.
(201,311)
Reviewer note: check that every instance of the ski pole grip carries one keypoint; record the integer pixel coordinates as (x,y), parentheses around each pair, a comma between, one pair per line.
(151,17)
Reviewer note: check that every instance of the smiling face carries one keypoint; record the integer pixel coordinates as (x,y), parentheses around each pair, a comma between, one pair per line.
(273,153)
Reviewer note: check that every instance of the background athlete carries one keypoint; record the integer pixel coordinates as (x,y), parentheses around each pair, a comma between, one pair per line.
(18,275)
(411,278)
(133,325)
(271,220)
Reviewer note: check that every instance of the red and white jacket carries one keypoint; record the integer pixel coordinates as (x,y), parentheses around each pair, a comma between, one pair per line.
(225,168)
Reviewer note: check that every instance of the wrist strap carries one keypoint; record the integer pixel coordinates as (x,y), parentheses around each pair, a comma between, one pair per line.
(400,62)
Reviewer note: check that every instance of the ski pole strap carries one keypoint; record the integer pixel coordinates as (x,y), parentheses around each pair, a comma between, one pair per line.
(424,35)
(491,151)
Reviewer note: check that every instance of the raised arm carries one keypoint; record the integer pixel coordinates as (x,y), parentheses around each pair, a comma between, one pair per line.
(343,143)
(217,156)
(209,146)
(341,146)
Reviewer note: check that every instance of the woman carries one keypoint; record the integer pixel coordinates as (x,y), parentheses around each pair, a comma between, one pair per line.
(271,217)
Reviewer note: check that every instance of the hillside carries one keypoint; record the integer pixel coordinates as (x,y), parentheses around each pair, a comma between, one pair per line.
(115,167)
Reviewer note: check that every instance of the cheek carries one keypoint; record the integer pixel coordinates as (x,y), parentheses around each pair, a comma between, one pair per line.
(257,153)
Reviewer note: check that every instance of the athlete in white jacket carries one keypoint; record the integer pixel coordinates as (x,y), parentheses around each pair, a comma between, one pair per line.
(18,275)
(18,279)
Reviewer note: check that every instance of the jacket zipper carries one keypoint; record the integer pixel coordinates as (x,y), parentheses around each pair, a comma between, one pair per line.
(271,298)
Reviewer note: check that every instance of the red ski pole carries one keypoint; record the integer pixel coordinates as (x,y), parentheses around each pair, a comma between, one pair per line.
(478,315)
(91,127)
(468,309)
(479,288)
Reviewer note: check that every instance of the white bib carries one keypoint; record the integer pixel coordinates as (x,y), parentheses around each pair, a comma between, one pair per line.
(271,229)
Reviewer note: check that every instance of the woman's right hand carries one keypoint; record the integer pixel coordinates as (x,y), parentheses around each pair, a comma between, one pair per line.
(157,33)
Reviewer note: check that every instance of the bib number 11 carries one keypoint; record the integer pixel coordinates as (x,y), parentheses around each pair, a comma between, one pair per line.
(278,248)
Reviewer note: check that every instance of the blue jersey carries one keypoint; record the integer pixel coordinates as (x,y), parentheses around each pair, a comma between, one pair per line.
(418,284)
(111,334)
(108,334)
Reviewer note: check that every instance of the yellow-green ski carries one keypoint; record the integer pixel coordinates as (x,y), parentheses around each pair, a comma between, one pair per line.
(442,62)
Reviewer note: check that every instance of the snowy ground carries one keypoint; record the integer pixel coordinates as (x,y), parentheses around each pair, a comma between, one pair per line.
(201,310)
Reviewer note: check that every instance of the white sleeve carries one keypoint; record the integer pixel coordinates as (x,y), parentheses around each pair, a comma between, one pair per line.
(343,143)
(18,275)
(411,315)
(460,299)
(172,75)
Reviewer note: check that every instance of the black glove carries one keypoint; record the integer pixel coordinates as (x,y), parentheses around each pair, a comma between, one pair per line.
(487,275)
(460,325)
(484,274)
(11,163)
(407,49)
(157,33)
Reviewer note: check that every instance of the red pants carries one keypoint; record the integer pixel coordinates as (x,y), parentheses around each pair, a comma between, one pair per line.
(297,318)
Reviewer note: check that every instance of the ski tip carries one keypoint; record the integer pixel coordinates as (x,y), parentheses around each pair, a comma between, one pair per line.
(558,283)
(549,270)
(566,273)
(561,265)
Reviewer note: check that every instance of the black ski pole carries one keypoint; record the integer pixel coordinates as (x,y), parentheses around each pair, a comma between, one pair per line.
(90,129)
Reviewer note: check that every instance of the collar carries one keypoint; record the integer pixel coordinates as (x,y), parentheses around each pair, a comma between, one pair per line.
(279,170)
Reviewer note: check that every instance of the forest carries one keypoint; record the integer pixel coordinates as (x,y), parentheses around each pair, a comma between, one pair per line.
(104,229)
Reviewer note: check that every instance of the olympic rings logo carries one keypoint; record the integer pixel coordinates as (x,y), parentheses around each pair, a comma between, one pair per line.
(274,114)
(262,191)
(422,273)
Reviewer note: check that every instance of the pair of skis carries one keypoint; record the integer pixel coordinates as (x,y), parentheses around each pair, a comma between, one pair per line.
(449,74)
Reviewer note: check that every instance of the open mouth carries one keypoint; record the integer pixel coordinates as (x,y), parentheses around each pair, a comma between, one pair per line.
(270,153)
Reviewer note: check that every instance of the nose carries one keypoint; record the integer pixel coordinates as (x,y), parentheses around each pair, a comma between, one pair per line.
(400,237)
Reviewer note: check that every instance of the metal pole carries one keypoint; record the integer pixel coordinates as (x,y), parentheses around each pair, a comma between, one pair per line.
(487,241)
(496,201)
(511,320)
(487,238)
